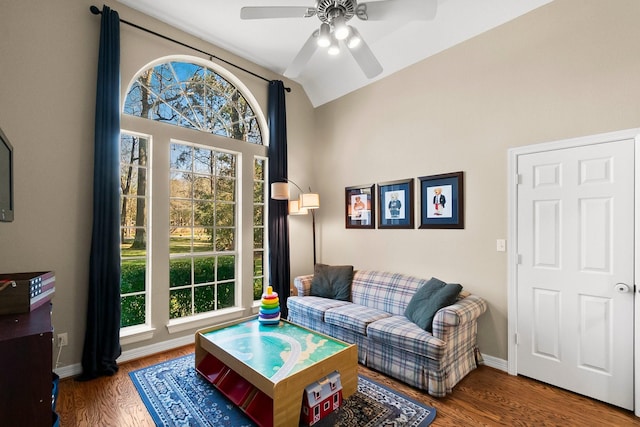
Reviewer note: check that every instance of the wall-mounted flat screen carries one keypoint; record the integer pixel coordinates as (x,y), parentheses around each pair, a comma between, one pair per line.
(6,179)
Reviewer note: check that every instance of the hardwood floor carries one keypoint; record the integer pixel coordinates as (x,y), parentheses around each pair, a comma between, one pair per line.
(486,397)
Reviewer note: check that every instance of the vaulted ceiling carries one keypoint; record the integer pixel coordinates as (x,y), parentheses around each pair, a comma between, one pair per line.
(274,43)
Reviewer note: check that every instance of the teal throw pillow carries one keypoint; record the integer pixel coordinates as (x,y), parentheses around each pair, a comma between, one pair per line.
(332,281)
(428,299)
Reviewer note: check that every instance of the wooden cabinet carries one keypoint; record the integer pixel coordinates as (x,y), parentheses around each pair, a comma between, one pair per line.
(26,347)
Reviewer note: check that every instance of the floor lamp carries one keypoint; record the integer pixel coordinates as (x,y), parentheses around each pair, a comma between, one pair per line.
(301,206)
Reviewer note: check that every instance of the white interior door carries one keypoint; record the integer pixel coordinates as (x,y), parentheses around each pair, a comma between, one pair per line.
(575,292)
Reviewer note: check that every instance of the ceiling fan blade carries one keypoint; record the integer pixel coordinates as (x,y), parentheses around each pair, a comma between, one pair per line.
(305,54)
(366,59)
(269,12)
(412,10)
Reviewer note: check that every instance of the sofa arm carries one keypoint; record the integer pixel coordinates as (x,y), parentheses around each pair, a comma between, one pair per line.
(463,311)
(303,284)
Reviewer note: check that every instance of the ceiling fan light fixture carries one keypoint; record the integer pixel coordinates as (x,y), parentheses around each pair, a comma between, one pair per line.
(340,29)
(324,36)
(334,48)
(354,39)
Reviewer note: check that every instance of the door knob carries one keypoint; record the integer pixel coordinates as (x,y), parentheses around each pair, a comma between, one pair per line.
(622,288)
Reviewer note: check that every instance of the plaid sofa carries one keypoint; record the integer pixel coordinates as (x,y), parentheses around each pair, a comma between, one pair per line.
(389,342)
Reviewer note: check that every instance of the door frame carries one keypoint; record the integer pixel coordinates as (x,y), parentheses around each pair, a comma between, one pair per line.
(512,236)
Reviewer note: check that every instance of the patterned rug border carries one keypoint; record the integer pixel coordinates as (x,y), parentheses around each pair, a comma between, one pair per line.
(228,414)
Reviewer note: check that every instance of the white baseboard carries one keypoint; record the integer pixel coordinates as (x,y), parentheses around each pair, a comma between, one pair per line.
(136,353)
(494,362)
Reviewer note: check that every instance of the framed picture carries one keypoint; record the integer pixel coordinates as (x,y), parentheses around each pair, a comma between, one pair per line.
(442,201)
(360,207)
(395,204)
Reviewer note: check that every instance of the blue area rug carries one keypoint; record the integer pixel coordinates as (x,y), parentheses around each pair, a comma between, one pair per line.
(176,395)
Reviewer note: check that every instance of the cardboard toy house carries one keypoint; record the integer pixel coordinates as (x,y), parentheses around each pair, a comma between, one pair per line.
(321,398)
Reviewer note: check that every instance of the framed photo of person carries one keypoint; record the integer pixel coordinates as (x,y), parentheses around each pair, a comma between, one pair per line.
(442,201)
(360,206)
(395,204)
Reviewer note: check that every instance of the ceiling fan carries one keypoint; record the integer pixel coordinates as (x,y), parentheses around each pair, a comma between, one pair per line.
(333,31)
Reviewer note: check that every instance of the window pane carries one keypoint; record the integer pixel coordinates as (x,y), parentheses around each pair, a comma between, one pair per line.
(226,164)
(132,180)
(225,215)
(132,211)
(258,215)
(133,242)
(179,303)
(203,213)
(203,187)
(225,189)
(133,150)
(203,161)
(180,241)
(179,272)
(181,185)
(258,238)
(258,169)
(258,192)
(226,267)
(225,239)
(258,263)
(180,213)
(203,270)
(257,288)
(133,310)
(204,298)
(132,275)
(226,295)
(203,239)
(181,157)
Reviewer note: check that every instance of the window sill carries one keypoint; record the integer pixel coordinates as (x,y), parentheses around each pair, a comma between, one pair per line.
(133,334)
(202,320)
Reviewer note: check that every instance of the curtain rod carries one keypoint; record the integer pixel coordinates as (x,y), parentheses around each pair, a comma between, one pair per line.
(97,11)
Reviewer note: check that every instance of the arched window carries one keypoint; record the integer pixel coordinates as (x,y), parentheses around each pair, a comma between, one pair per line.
(183,194)
(192,96)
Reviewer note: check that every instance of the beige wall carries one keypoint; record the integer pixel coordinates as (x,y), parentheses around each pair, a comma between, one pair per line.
(568,69)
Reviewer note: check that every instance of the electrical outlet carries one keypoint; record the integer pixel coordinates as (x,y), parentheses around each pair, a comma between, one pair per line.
(63,339)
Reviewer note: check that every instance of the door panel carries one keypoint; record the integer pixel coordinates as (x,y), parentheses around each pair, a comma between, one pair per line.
(575,225)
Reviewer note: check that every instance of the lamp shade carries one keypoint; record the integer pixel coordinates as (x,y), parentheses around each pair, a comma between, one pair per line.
(309,201)
(280,191)
(294,208)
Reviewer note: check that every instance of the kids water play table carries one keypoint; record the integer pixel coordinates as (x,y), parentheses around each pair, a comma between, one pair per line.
(264,368)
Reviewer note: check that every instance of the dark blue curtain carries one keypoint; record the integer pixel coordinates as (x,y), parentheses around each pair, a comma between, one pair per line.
(279,264)
(102,336)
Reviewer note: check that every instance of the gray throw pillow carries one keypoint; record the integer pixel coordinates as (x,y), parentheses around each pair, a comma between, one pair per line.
(332,281)
(428,299)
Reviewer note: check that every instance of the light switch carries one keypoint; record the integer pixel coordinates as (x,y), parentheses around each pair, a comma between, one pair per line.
(501,245)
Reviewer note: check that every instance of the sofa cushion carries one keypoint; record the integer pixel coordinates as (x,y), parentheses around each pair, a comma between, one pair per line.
(312,307)
(431,297)
(354,317)
(332,281)
(400,332)
(390,292)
